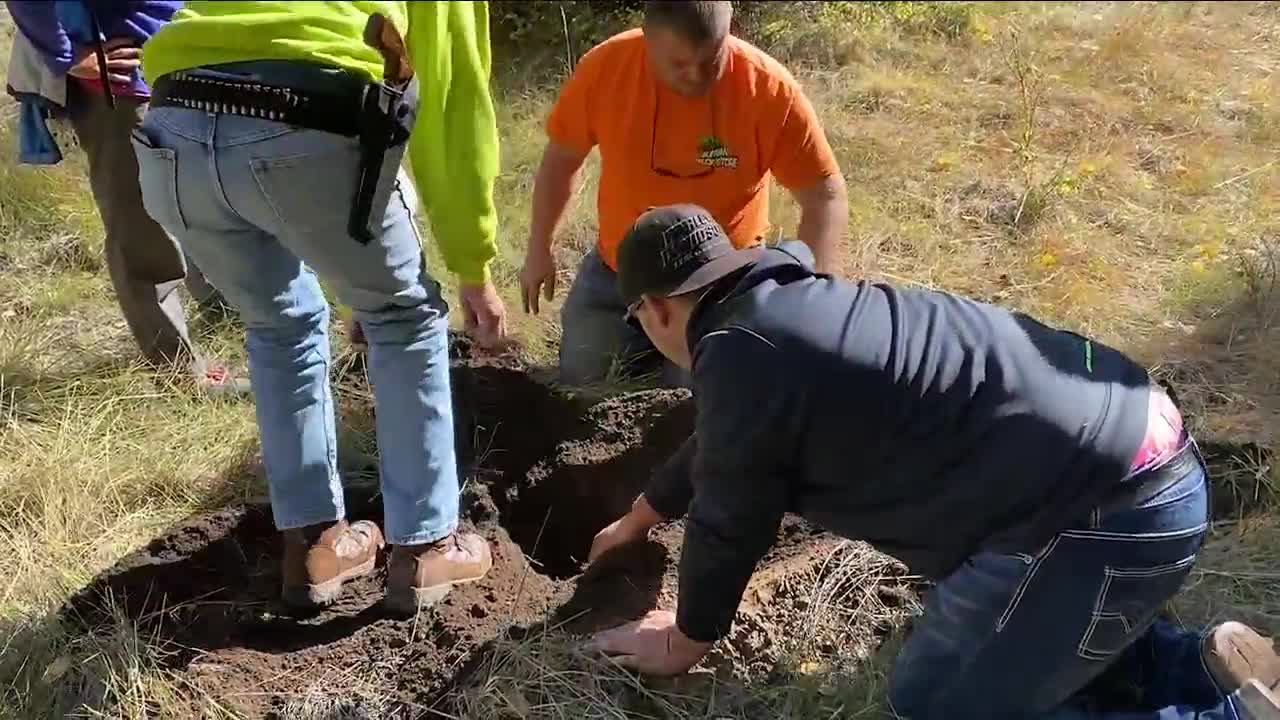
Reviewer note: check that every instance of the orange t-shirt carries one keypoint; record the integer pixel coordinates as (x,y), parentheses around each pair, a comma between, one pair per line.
(659,148)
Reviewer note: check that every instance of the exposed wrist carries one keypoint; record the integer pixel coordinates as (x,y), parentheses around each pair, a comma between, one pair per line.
(643,515)
(692,638)
(540,243)
(474,278)
(684,646)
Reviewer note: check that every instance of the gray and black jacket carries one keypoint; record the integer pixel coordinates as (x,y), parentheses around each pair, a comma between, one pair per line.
(927,424)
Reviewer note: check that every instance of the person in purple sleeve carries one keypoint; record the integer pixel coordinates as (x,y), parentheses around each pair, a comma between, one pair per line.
(91,53)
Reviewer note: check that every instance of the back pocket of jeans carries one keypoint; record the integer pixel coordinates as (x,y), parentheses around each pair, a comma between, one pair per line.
(1127,603)
(310,190)
(158,180)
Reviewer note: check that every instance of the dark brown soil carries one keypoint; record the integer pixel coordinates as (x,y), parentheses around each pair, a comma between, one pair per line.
(544,473)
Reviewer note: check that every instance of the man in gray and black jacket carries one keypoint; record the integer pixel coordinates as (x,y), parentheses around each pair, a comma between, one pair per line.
(1039,477)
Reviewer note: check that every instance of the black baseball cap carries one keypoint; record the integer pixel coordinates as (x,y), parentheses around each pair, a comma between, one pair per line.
(673,250)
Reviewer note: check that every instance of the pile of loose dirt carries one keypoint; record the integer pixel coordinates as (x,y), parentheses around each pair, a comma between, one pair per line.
(544,473)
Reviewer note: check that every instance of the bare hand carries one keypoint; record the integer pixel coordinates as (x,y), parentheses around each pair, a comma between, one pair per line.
(538,276)
(630,528)
(619,533)
(653,645)
(485,317)
(123,59)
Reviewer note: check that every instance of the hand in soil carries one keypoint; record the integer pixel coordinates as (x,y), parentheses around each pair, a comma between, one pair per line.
(619,533)
(653,645)
(630,528)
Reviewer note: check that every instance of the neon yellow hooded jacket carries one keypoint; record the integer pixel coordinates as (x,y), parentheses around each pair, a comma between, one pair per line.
(453,152)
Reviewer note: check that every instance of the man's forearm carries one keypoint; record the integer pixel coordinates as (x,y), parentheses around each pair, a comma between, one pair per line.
(824,217)
(552,188)
(642,514)
(715,568)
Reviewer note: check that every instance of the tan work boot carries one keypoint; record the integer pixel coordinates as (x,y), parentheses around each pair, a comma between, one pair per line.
(419,576)
(320,558)
(1235,653)
(1260,702)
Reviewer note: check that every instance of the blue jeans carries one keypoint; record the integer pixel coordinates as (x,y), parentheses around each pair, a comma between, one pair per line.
(263,207)
(596,342)
(1028,636)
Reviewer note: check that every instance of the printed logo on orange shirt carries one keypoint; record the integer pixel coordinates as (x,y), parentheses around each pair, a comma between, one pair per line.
(713,153)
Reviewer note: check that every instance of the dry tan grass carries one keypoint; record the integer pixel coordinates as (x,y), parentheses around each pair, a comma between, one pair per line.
(1150,132)
(542,674)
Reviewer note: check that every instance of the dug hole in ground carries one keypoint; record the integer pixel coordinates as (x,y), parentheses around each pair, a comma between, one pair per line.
(542,473)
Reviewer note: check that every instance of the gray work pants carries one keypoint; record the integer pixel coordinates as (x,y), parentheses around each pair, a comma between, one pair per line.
(597,344)
(145,263)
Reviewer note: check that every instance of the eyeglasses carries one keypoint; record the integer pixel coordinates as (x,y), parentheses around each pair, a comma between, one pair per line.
(653,142)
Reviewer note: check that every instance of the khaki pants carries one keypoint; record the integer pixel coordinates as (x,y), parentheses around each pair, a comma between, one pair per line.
(145,263)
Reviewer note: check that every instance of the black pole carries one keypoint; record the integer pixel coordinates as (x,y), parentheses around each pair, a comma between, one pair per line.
(101,52)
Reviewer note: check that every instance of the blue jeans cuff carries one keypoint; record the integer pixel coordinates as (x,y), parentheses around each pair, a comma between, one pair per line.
(424,537)
(302,521)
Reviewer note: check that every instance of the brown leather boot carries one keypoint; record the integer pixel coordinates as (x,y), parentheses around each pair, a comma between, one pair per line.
(319,558)
(1259,701)
(419,576)
(1234,654)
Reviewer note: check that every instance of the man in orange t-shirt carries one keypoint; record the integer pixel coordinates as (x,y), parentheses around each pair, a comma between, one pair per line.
(682,112)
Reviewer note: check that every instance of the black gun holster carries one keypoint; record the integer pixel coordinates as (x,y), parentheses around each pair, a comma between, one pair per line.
(386,120)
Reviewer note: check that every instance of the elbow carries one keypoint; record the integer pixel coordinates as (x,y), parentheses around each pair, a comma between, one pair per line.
(840,191)
(824,216)
(833,192)
(838,203)
(828,196)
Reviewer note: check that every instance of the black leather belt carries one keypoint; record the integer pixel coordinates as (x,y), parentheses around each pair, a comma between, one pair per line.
(341,103)
(338,111)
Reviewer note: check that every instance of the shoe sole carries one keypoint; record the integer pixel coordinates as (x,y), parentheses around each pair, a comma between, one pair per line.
(1253,647)
(1259,702)
(410,600)
(322,594)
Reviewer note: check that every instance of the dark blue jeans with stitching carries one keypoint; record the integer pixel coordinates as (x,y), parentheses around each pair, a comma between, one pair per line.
(1044,636)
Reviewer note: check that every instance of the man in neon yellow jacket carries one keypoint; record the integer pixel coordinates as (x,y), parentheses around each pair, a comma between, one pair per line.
(272,151)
